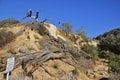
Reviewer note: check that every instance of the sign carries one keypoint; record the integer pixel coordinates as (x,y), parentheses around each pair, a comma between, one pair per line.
(10,64)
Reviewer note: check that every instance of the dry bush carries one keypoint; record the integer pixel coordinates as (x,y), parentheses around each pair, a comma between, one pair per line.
(84,59)
(39,27)
(114,77)
(8,22)
(5,37)
(86,63)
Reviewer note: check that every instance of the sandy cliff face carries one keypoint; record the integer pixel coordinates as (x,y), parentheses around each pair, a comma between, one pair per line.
(42,52)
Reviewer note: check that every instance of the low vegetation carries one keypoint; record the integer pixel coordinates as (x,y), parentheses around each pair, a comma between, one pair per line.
(114,60)
(81,32)
(114,77)
(92,50)
(110,48)
(8,22)
(110,41)
(5,37)
(67,26)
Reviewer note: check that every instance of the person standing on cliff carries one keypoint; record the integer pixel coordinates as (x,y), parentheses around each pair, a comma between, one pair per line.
(29,14)
(36,16)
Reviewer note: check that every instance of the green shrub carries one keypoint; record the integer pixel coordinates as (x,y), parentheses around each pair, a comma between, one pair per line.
(110,48)
(110,41)
(114,62)
(75,71)
(92,50)
(81,31)
(115,66)
(114,59)
(67,26)
(8,22)
(104,54)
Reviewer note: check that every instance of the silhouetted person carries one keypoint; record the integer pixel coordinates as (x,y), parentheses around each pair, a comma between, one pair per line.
(36,16)
(29,13)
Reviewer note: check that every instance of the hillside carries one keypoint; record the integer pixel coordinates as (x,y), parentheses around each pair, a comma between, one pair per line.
(110,41)
(44,52)
(109,48)
(115,32)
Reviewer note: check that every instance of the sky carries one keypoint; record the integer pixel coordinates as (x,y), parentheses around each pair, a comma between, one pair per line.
(96,16)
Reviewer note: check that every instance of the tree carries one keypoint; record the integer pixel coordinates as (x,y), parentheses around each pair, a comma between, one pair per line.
(109,46)
(67,26)
(110,41)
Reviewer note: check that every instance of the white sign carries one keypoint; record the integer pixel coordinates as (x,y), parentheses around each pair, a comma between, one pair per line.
(10,64)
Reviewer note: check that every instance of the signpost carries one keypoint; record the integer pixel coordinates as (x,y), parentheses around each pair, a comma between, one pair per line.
(10,66)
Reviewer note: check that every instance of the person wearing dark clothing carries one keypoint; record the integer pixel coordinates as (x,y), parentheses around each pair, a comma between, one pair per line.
(29,13)
(36,16)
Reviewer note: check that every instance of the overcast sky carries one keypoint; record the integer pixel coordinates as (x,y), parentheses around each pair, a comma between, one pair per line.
(97,16)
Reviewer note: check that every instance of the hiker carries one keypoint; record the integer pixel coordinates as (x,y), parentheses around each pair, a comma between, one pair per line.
(29,13)
(36,16)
